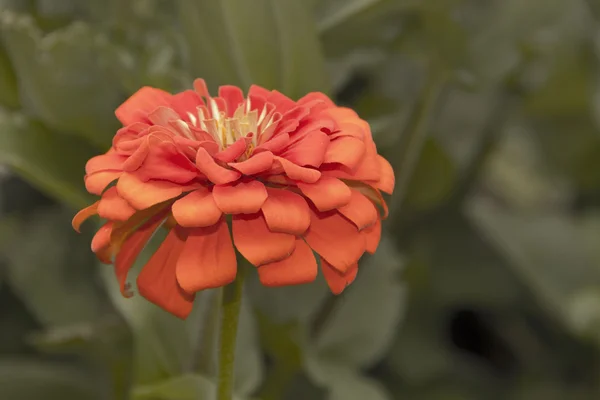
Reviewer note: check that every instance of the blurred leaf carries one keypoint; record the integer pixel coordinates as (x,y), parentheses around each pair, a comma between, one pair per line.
(272,43)
(53,163)
(433,180)
(50,267)
(185,387)
(362,326)
(540,247)
(64,76)
(9,96)
(356,387)
(30,379)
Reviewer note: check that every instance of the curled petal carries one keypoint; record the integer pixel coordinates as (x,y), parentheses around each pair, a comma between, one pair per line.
(142,194)
(300,267)
(213,171)
(140,104)
(327,194)
(336,280)
(131,248)
(201,88)
(274,145)
(241,198)
(232,152)
(233,97)
(196,210)
(106,162)
(387,180)
(166,162)
(83,215)
(286,212)
(347,151)
(157,281)
(296,172)
(310,150)
(96,183)
(113,207)
(335,239)
(256,164)
(257,243)
(162,116)
(360,210)
(208,258)
(372,236)
(101,243)
(186,103)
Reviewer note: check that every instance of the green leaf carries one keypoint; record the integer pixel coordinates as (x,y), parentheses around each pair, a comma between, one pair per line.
(9,96)
(272,43)
(64,77)
(363,324)
(53,163)
(185,387)
(30,379)
(50,267)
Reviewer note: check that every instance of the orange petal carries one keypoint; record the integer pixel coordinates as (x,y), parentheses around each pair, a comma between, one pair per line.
(196,210)
(241,198)
(257,243)
(157,281)
(140,104)
(347,151)
(298,268)
(308,151)
(83,215)
(256,164)
(105,162)
(201,88)
(296,172)
(131,248)
(387,180)
(372,236)
(208,259)
(164,161)
(186,102)
(372,194)
(275,144)
(213,171)
(233,97)
(114,207)
(162,116)
(286,212)
(336,280)
(143,195)
(101,243)
(360,210)
(232,152)
(336,239)
(327,194)
(96,183)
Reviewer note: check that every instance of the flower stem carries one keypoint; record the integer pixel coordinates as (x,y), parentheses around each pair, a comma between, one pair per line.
(230,311)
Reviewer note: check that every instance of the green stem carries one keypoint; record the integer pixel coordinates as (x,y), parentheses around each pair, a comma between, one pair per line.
(230,311)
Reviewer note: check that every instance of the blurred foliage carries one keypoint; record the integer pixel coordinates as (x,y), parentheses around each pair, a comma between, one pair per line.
(487,281)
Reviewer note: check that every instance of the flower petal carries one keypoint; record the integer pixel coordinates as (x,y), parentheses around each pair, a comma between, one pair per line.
(296,172)
(360,210)
(113,207)
(274,145)
(300,267)
(101,243)
(164,161)
(140,104)
(83,215)
(387,180)
(186,103)
(105,162)
(257,243)
(129,251)
(157,281)
(208,258)
(241,198)
(163,115)
(336,280)
(213,171)
(256,164)
(327,194)
(372,236)
(233,97)
(96,183)
(143,195)
(233,151)
(310,150)
(347,151)
(335,239)
(286,212)
(196,210)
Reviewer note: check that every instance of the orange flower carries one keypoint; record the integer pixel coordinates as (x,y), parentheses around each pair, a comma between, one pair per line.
(296,177)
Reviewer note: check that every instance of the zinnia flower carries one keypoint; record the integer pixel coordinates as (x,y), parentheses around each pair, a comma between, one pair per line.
(294,178)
